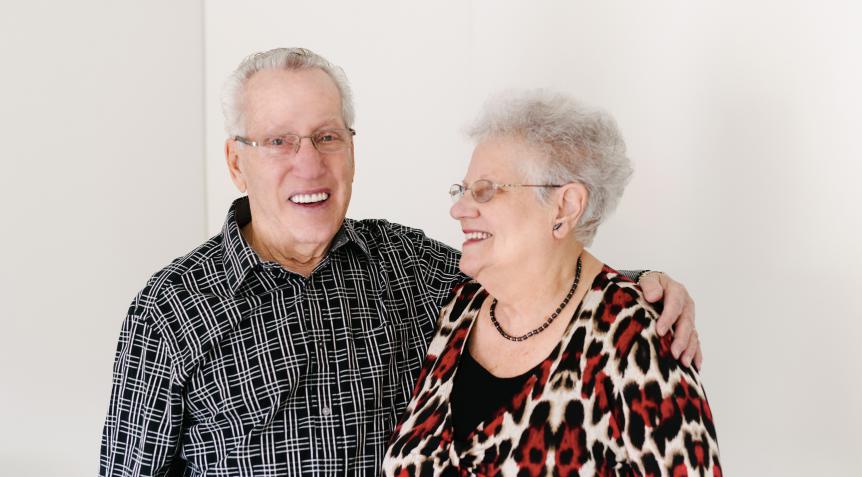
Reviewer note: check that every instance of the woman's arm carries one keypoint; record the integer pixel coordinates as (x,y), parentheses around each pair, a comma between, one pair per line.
(668,421)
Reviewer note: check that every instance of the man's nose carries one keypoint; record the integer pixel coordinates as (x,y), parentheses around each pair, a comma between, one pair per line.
(307,162)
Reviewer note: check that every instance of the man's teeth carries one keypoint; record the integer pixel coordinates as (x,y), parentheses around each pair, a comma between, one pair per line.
(477,235)
(309,198)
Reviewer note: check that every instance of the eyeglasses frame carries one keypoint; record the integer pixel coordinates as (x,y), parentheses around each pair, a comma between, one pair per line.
(253,143)
(494,186)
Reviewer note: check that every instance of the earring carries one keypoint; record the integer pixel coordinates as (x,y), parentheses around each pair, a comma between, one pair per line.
(557,226)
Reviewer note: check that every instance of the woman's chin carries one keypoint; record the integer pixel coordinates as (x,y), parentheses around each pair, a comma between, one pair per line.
(468,268)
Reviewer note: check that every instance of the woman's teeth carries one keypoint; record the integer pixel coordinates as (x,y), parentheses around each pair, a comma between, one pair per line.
(309,198)
(477,235)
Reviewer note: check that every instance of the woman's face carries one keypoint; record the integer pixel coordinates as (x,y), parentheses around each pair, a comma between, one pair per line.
(505,233)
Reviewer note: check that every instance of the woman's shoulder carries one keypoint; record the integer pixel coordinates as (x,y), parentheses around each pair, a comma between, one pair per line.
(464,302)
(622,318)
(617,295)
(460,297)
(625,324)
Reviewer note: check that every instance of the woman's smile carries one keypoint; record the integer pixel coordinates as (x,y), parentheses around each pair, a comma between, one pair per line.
(475,236)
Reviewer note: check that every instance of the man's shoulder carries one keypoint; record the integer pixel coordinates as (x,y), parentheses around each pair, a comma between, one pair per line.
(198,271)
(382,228)
(382,234)
(189,305)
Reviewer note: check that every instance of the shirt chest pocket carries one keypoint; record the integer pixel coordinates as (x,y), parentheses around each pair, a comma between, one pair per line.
(247,377)
(376,347)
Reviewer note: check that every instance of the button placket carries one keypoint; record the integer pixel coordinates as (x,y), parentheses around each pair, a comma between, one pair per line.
(320,352)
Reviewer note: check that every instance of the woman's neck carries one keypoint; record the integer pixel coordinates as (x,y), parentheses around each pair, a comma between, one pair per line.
(526,298)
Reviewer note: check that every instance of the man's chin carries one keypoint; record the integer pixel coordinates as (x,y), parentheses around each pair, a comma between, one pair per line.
(320,235)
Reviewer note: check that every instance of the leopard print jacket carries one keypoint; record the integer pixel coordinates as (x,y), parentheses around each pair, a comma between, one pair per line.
(610,399)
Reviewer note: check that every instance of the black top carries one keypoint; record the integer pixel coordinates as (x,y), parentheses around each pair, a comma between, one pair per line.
(477,394)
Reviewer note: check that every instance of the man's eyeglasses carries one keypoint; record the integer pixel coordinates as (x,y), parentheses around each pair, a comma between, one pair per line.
(483,190)
(326,141)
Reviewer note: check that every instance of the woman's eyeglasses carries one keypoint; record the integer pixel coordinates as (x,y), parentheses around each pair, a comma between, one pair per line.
(483,190)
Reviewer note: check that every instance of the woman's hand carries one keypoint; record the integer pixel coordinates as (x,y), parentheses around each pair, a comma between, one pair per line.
(679,309)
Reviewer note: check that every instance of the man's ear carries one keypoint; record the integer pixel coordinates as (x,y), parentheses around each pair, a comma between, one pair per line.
(231,154)
(352,161)
(571,203)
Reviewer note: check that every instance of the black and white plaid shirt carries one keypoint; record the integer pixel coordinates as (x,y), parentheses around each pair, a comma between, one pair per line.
(231,366)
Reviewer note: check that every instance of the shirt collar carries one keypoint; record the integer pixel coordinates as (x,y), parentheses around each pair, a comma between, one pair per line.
(241,259)
(348,234)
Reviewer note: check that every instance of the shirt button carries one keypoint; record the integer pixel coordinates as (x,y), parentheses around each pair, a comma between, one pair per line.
(326,411)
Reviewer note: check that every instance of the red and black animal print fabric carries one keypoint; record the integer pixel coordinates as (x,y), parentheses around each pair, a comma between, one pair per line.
(609,400)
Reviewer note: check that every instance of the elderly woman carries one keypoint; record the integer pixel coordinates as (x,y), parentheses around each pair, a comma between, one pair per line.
(548,361)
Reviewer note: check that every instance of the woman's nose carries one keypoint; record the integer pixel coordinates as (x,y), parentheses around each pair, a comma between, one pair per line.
(463,208)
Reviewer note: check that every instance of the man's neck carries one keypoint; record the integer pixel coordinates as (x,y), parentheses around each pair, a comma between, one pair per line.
(298,259)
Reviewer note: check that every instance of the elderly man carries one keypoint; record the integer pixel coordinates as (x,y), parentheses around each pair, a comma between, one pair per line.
(288,343)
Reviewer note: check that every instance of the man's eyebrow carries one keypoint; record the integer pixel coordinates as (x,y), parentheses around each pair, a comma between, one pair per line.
(330,124)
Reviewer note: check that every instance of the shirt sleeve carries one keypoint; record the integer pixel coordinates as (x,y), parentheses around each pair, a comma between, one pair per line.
(142,428)
(633,275)
(668,426)
(439,266)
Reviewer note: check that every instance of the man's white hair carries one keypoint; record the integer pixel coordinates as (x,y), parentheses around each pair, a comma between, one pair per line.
(578,143)
(280,58)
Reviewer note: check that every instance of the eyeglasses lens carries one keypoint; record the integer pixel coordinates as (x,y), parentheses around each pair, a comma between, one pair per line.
(455,192)
(483,190)
(281,144)
(325,142)
(330,141)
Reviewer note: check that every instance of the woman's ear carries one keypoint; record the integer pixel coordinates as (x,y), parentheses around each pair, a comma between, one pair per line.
(571,203)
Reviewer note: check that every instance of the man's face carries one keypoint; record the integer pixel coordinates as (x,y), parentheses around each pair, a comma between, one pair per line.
(298,202)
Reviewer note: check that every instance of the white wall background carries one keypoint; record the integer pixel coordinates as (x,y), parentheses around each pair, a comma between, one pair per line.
(101,119)
(742,119)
